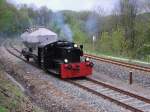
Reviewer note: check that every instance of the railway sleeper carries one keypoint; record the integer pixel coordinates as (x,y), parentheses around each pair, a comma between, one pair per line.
(144,105)
(127,99)
(108,92)
(122,96)
(136,103)
(115,94)
(102,90)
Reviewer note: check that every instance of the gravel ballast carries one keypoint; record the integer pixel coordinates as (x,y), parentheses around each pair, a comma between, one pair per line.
(53,94)
(115,71)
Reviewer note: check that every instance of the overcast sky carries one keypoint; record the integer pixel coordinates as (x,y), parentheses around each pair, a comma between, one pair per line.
(76,5)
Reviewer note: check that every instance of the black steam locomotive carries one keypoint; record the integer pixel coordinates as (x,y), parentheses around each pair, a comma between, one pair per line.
(61,57)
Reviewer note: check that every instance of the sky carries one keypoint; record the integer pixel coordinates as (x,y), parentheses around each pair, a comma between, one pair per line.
(76,5)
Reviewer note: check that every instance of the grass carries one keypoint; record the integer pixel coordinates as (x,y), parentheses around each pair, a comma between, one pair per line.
(11,95)
(12,99)
(3,109)
(120,58)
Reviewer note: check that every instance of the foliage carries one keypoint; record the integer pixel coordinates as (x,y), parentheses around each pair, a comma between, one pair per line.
(12,99)
(2,109)
(124,33)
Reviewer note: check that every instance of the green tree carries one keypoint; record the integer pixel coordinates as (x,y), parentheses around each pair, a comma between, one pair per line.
(117,41)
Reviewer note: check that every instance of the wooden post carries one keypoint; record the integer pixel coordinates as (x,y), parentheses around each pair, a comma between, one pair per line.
(130,78)
(93,42)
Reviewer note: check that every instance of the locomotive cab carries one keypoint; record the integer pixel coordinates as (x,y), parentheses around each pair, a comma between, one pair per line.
(64,58)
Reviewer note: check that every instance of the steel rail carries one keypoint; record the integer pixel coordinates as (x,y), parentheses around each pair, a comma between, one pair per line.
(119,90)
(105,96)
(120,63)
(105,85)
(95,92)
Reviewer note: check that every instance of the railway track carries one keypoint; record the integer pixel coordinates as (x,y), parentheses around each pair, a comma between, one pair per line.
(17,53)
(120,63)
(123,98)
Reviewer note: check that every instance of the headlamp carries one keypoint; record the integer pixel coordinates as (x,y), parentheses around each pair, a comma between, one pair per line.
(75,45)
(87,59)
(66,60)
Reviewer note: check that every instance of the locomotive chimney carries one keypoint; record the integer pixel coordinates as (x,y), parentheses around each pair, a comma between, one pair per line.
(81,47)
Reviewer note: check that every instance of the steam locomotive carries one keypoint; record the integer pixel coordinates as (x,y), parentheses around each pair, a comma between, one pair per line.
(60,57)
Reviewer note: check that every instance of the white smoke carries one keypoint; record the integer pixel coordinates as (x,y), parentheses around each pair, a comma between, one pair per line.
(65,30)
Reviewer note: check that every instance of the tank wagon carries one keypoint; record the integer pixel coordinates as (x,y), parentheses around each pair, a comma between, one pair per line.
(60,57)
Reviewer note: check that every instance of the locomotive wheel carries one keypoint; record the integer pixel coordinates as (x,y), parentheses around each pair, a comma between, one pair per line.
(27,58)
